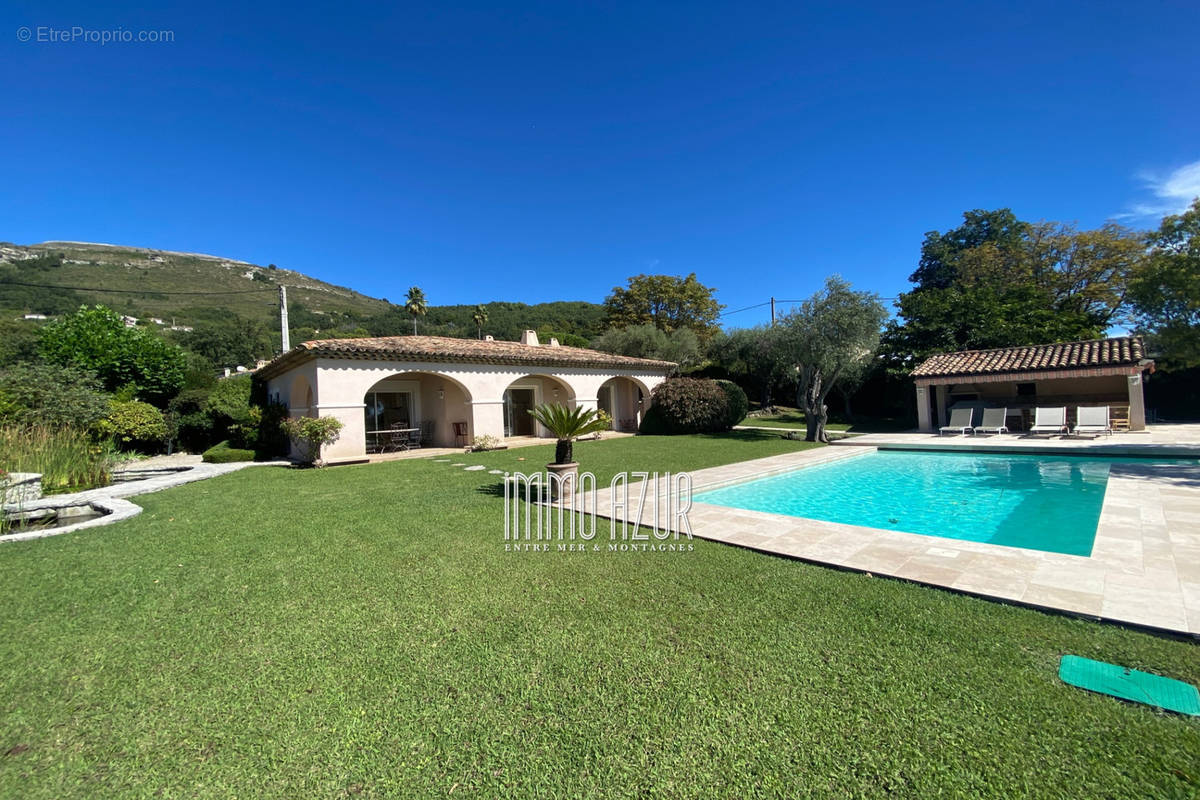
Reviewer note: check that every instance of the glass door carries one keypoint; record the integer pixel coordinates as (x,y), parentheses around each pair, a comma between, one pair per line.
(517,405)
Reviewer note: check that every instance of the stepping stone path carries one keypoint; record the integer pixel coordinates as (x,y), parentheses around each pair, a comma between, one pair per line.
(441,461)
(472,469)
(495,472)
(459,464)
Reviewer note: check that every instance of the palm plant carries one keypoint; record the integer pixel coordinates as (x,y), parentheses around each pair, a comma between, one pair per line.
(414,303)
(480,317)
(567,425)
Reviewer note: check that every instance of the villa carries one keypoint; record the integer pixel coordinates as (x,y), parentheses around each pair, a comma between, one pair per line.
(1096,372)
(447,391)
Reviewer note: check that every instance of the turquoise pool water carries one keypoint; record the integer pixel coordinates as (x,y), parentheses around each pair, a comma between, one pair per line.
(1036,502)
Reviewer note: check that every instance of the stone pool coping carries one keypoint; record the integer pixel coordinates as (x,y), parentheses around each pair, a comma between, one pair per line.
(1144,569)
(111,499)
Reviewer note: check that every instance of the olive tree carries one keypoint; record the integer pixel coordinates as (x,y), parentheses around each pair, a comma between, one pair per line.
(832,334)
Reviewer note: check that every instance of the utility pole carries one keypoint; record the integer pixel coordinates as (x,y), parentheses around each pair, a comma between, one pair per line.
(772,312)
(283,320)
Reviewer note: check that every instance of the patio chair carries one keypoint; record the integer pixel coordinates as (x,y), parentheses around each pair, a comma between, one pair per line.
(460,433)
(397,437)
(1049,421)
(427,430)
(993,421)
(1093,420)
(960,420)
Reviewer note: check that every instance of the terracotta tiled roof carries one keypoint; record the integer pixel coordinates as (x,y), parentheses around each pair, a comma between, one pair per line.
(448,349)
(1123,350)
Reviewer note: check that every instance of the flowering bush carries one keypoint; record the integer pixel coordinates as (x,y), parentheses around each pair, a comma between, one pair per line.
(311,434)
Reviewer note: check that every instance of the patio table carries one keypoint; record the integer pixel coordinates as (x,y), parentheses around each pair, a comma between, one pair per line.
(406,445)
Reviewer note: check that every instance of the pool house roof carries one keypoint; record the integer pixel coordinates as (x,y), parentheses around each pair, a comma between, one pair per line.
(1092,357)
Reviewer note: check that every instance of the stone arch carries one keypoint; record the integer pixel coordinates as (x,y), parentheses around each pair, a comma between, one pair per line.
(301,399)
(433,407)
(625,399)
(528,391)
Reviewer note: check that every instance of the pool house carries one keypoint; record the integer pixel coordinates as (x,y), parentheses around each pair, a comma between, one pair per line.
(1096,372)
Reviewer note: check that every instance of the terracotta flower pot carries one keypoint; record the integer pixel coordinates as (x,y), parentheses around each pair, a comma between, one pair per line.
(567,473)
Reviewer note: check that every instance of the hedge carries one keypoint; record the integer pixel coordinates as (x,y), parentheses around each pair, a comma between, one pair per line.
(222,453)
(688,405)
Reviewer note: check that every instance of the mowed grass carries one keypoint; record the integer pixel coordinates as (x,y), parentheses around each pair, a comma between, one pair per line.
(793,419)
(360,632)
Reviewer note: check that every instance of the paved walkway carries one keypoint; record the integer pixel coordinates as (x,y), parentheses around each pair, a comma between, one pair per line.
(1144,568)
(1177,440)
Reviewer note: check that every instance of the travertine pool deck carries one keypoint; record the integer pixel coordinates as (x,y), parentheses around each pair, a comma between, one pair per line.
(1144,568)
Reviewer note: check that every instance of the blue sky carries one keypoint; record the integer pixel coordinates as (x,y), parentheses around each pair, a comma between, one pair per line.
(550,151)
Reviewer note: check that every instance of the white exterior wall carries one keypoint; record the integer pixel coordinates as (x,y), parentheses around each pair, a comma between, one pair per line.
(473,393)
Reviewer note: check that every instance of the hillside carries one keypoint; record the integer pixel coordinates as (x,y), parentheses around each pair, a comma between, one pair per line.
(205,292)
(156,283)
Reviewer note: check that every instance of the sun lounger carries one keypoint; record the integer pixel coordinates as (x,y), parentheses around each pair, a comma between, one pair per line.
(1049,421)
(1092,420)
(960,421)
(993,421)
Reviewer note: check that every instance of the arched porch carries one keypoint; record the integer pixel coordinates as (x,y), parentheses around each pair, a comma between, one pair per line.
(407,410)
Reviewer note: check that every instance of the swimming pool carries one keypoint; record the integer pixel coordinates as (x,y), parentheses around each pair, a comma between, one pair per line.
(1038,502)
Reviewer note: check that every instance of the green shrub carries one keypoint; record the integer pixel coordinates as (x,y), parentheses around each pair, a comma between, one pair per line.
(97,339)
(134,425)
(269,439)
(739,404)
(311,434)
(222,453)
(228,407)
(686,405)
(67,458)
(188,422)
(51,395)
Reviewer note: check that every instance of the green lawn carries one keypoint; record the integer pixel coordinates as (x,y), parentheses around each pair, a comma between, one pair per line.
(792,418)
(359,632)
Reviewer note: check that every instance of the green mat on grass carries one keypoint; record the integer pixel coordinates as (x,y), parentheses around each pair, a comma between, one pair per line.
(1130,684)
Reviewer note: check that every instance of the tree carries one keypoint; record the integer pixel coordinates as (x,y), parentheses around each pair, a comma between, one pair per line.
(668,302)
(997,282)
(646,341)
(414,304)
(754,356)
(830,334)
(566,425)
(1166,294)
(49,394)
(480,317)
(97,339)
(230,343)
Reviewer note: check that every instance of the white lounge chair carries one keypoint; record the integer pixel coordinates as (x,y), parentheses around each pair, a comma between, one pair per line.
(1049,421)
(1093,420)
(993,421)
(960,421)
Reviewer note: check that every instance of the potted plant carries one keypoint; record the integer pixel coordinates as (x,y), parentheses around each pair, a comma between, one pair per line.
(567,425)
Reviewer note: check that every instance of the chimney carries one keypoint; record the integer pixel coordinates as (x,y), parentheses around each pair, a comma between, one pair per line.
(529,338)
(553,342)
(489,338)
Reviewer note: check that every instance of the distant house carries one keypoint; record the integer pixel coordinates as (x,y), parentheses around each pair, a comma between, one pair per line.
(130,322)
(1096,372)
(453,390)
(35,316)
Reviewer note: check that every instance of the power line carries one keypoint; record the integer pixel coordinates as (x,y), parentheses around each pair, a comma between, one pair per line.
(747,308)
(132,291)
